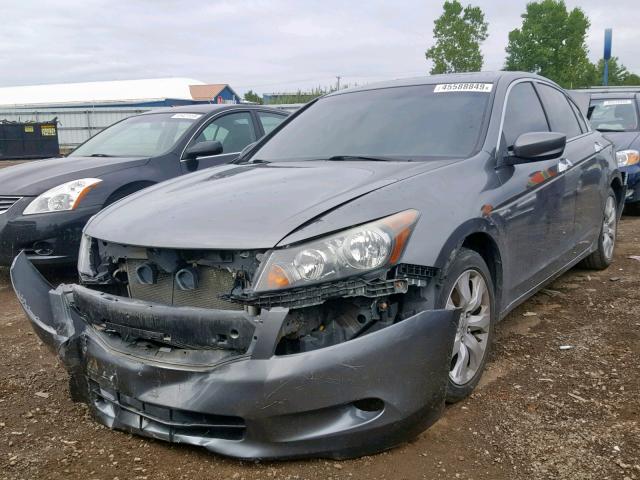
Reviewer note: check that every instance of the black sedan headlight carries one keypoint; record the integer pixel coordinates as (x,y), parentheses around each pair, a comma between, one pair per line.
(351,252)
(63,197)
(626,158)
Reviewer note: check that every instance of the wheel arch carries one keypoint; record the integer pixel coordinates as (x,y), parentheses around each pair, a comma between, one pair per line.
(127,189)
(617,184)
(481,236)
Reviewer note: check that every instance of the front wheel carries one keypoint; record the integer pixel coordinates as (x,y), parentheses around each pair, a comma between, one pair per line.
(468,287)
(603,256)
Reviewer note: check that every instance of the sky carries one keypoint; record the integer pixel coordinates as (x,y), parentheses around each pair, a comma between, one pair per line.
(263,45)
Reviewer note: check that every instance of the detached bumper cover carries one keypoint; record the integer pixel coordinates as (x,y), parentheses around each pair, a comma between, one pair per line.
(351,399)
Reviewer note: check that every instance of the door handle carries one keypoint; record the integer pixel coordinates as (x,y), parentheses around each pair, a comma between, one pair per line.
(564,164)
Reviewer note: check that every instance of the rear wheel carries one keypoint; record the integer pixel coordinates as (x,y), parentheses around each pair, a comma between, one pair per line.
(468,287)
(603,256)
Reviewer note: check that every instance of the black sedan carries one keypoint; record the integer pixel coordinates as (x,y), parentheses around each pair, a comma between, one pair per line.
(615,111)
(44,205)
(328,292)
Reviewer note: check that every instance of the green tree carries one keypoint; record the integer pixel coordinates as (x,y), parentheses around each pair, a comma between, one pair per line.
(618,73)
(253,97)
(551,42)
(458,33)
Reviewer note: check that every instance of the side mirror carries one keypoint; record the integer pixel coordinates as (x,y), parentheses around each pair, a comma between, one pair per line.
(537,146)
(203,149)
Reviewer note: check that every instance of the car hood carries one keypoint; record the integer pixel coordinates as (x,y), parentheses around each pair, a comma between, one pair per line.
(624,140)
(243,206)
(35,177)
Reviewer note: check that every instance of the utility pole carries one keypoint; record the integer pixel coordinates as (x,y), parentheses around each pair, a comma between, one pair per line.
(338,77)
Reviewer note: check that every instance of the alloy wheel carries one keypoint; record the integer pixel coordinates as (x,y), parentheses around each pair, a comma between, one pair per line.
(470,294)
(609,227)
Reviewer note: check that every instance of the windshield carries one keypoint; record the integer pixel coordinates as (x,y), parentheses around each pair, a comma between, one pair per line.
(619,115)
(402,123)
(140,136)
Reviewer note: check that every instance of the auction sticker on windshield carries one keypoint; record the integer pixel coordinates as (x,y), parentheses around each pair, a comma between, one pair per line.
(463,87)
(606,103)
(188,116)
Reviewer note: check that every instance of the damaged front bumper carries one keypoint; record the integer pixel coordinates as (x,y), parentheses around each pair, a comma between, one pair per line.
(354,398)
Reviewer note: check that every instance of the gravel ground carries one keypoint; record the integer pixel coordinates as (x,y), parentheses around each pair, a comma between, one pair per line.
(541,411)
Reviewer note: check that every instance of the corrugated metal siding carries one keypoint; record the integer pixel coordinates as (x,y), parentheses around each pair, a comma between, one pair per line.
(75,125)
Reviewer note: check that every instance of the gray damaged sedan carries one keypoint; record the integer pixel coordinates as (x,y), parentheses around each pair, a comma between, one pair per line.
(329,292)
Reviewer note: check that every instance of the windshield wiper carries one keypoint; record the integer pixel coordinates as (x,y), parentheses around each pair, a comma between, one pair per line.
(610,130)
(100,155)
(340,158)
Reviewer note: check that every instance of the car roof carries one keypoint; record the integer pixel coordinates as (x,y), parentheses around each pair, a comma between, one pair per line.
(598,96)
(470,77)
(610,92)
(211,108)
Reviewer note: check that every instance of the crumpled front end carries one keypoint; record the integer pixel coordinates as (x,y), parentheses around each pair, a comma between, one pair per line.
(248,381)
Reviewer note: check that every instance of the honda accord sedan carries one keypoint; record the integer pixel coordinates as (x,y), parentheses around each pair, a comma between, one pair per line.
(45,204)
(331,290)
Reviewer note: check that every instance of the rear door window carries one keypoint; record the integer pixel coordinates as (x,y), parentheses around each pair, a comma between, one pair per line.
(524,113)
(580,117)
(270,121)
(561,116)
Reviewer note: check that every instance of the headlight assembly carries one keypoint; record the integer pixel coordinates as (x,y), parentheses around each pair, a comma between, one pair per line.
(63,197)
(626,158)
(350,252)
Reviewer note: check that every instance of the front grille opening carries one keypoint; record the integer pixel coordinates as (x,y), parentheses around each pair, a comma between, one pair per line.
(6,202)
(171,421)
(212,282)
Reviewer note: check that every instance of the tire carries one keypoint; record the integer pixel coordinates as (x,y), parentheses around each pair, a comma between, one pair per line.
(475,332)
(603,256)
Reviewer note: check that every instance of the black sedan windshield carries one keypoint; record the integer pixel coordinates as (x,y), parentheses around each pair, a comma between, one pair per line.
(615,114)
(403,123)
(140,136)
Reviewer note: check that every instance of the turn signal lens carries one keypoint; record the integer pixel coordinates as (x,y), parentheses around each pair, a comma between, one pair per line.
(277,278)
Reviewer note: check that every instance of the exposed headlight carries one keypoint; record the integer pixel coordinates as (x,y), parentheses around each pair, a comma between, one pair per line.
(63,197)
(627,158)
(350,252)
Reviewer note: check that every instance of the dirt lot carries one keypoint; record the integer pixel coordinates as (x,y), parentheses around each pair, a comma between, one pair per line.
(541,412)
